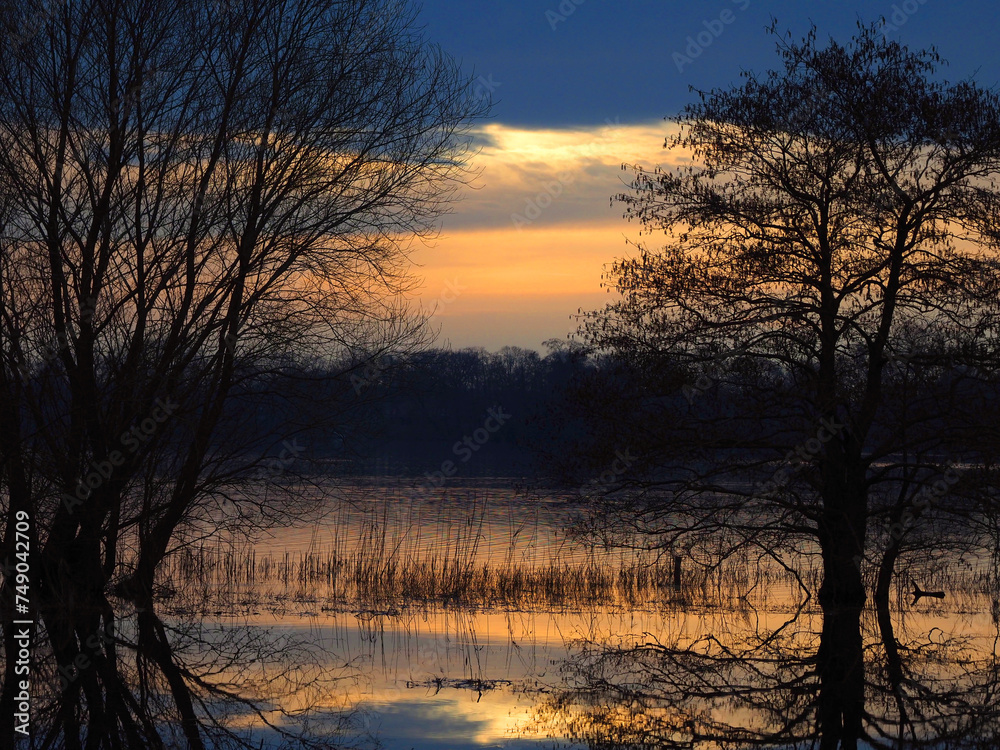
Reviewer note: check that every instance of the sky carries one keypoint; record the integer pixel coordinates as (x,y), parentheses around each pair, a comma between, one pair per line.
(581,87)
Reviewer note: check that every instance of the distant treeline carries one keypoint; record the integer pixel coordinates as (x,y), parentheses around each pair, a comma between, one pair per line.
(469,412)
(566,416)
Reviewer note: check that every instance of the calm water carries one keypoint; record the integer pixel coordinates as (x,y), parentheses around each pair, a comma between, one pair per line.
(492,512)
(582,674)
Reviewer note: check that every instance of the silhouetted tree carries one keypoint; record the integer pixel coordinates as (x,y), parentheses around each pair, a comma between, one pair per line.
(830,283)
(194,196)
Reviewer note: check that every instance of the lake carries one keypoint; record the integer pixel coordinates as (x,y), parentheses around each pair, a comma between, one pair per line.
(473,617)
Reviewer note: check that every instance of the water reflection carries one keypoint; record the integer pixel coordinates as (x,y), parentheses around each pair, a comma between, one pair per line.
(832,679)
(364,641)
(145,682)
(775,676)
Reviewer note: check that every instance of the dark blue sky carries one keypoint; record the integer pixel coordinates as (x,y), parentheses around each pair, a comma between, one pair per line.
(563,70)
(611,59)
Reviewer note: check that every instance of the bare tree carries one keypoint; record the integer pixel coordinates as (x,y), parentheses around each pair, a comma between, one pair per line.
(830,285)
(193,196)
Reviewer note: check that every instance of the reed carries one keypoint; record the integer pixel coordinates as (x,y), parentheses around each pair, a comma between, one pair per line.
(375,576)
(380,574)
(372,560)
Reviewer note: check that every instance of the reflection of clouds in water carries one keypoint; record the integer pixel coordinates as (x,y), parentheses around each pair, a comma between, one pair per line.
(452,719)
(416,670)
(421,670)
(838,674)
(413,671)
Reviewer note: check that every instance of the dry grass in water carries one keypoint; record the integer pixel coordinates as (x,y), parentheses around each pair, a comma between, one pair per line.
(384,563)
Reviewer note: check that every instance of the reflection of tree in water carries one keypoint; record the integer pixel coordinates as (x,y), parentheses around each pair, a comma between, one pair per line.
(852,684)
(152,683)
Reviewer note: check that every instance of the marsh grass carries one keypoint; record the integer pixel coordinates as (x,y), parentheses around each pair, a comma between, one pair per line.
(368,559)
(376,560)
(369,578)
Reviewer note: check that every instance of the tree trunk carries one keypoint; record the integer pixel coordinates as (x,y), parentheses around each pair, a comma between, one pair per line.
(842,679)
(842,541)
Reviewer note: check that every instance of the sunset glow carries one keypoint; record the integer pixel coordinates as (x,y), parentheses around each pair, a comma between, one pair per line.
(525,246)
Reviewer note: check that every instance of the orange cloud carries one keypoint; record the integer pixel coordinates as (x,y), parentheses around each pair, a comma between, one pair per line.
(526,245)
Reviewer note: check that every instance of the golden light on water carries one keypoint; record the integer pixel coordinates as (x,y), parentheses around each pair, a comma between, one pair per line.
(482,678)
